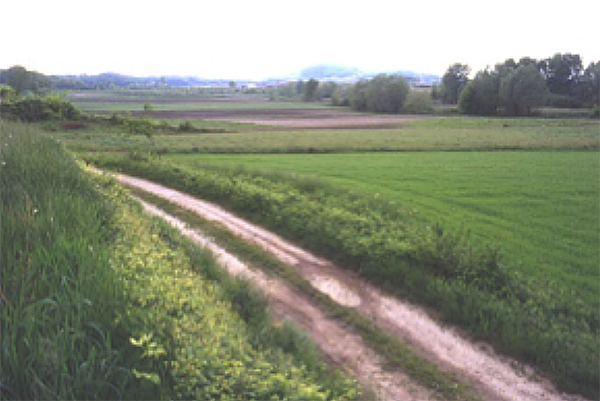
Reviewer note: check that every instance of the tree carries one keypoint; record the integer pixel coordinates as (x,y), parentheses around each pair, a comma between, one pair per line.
(358,96)
(300,87)
(418,102)
(341,95)
(454,81)
(590,84)
(22,80)
(18,78)
(7,93)
(481,95)
(562,73)
(386,93)
(310,90)
(522,89)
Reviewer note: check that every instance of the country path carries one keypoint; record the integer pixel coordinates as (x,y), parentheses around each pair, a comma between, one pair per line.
(494,377)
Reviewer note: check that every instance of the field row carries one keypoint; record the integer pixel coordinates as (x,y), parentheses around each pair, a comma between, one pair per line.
(422,135)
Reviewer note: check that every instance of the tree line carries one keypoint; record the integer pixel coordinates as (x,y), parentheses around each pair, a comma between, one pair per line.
(23,81)
(511,88)
(515,88)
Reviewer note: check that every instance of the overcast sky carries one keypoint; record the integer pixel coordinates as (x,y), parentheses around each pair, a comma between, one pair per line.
(263,38)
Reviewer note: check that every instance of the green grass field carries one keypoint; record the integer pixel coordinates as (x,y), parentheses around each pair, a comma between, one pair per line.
(540,208)
(426,135)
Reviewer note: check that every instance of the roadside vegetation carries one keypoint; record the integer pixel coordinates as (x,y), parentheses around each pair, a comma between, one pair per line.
(535,321)
(99,302)
(535,207)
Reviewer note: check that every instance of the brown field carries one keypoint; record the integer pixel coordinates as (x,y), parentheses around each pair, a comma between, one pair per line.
(293,118)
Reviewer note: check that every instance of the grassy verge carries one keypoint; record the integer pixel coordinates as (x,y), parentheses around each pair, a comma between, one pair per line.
(97,302)
(60,298)
(469,286)
(214,338)
(395,352)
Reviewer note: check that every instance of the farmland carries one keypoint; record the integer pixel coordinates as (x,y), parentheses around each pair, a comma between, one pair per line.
(535,206)
(492,223)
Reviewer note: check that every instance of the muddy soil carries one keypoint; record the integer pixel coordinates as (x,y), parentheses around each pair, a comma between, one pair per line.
(495,377)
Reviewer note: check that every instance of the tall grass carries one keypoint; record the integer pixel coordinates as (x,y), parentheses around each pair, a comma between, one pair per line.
(97,302)
(59,295)
(467,284)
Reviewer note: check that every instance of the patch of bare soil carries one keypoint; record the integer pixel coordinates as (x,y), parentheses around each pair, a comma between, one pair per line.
(295,118)
(497,378)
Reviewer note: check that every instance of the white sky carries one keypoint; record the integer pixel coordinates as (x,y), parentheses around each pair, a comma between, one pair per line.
(263,38)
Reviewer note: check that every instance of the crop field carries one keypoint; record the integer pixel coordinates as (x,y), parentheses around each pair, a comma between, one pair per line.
(344,134)
(540,208)
(128,102)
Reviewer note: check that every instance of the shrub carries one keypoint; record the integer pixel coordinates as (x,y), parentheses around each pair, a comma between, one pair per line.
(383,94)
(418,102)
(39,109)
(563,101)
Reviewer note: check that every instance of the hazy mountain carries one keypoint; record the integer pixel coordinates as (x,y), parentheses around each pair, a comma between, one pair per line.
(332,72)
(324,71)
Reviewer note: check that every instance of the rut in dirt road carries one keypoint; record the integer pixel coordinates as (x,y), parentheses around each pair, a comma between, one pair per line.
(496,378)
(333,339)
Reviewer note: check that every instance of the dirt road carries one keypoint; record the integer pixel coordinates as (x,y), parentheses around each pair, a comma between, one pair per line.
(495,377)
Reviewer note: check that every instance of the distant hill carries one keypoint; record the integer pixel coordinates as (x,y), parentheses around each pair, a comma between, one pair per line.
(110,80)
(332,72)
(324,71)
(113,80)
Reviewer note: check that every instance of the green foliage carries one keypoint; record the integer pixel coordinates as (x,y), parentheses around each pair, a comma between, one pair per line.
(567,84)
(383,94)
(441,268)
(341,95)
(418,102)
(59,294)
(7,93)
(311,93)
(562,72)
(453,82)
(521,90)
(481,95)
(22,80)
(204,348)
(96,302)
(39,109)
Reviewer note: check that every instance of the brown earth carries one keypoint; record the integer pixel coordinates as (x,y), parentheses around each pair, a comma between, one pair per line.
(495,377)
(294,118)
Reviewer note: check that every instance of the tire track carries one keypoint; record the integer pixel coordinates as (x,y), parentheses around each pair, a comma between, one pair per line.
(495,377)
